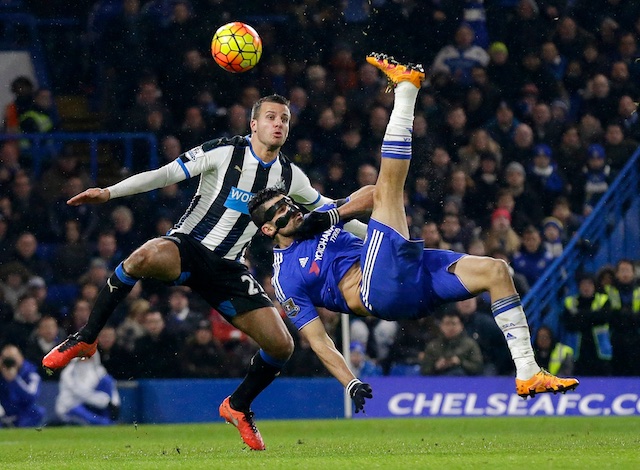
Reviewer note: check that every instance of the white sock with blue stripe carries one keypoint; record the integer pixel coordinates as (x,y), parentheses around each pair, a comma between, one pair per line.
(397,138)
(510,317)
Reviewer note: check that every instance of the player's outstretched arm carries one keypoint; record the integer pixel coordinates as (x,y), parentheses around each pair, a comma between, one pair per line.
(136,184)
(334,361)
(324,347)
(90,196)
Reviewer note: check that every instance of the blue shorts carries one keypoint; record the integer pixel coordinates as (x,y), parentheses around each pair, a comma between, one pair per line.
(403,280)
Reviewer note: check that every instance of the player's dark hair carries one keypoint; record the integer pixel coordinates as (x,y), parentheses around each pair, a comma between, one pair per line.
(256,205)
(279,99)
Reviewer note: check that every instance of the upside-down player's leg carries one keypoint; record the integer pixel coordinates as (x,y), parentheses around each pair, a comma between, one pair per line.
(479,274)
(390,262)
(388,207)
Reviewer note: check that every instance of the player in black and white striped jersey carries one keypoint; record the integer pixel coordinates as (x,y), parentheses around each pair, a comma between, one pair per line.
(218,215)
(204,249)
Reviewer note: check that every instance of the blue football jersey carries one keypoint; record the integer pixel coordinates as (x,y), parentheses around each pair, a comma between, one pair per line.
(403,280)
(306,274)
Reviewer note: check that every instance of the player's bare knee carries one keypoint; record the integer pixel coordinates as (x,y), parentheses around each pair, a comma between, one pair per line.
(282,348)
(139,262)
(498,271)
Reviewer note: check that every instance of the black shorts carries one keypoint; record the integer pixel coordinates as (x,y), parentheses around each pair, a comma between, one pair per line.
(226,285)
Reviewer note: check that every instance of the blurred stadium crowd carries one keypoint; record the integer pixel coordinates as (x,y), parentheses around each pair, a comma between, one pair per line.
(528,115)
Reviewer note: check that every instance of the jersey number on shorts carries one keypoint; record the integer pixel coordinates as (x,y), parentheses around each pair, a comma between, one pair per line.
(254,287)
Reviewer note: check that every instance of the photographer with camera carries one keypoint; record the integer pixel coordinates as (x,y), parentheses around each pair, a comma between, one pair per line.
(19,389)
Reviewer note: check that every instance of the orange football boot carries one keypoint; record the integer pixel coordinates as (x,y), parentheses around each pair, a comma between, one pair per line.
(395,71)
(62,354)
(544,382)
(245,424)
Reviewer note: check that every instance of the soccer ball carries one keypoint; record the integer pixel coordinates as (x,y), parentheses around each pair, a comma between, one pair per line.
(236,47)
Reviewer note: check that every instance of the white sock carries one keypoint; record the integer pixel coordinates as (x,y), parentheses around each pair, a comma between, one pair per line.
(397,137)
(401,120)
(510,317)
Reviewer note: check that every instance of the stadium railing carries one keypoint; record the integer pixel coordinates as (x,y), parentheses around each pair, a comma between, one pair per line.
(610,232)
(42,147)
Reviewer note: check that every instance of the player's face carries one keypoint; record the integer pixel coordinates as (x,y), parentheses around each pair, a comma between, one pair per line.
(271,127)
(281,214)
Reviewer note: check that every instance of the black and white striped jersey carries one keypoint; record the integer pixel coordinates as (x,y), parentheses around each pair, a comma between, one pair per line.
(230,175)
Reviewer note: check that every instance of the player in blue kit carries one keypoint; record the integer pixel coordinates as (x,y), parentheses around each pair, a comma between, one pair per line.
(318,264)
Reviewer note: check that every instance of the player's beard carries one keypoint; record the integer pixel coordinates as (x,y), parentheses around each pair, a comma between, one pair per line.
(291,228)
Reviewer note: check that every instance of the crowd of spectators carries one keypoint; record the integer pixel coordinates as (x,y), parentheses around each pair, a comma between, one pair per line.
(527,117)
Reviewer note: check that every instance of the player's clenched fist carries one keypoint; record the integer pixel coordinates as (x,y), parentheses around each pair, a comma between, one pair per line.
(317,222)
(358,392)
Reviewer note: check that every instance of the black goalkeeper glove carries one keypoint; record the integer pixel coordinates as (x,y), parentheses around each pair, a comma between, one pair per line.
(317,222)
(358,392)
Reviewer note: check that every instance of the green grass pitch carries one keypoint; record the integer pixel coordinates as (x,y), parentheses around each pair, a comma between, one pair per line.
(451,443)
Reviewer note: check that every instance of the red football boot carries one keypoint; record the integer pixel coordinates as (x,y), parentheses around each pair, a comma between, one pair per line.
(245,424)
